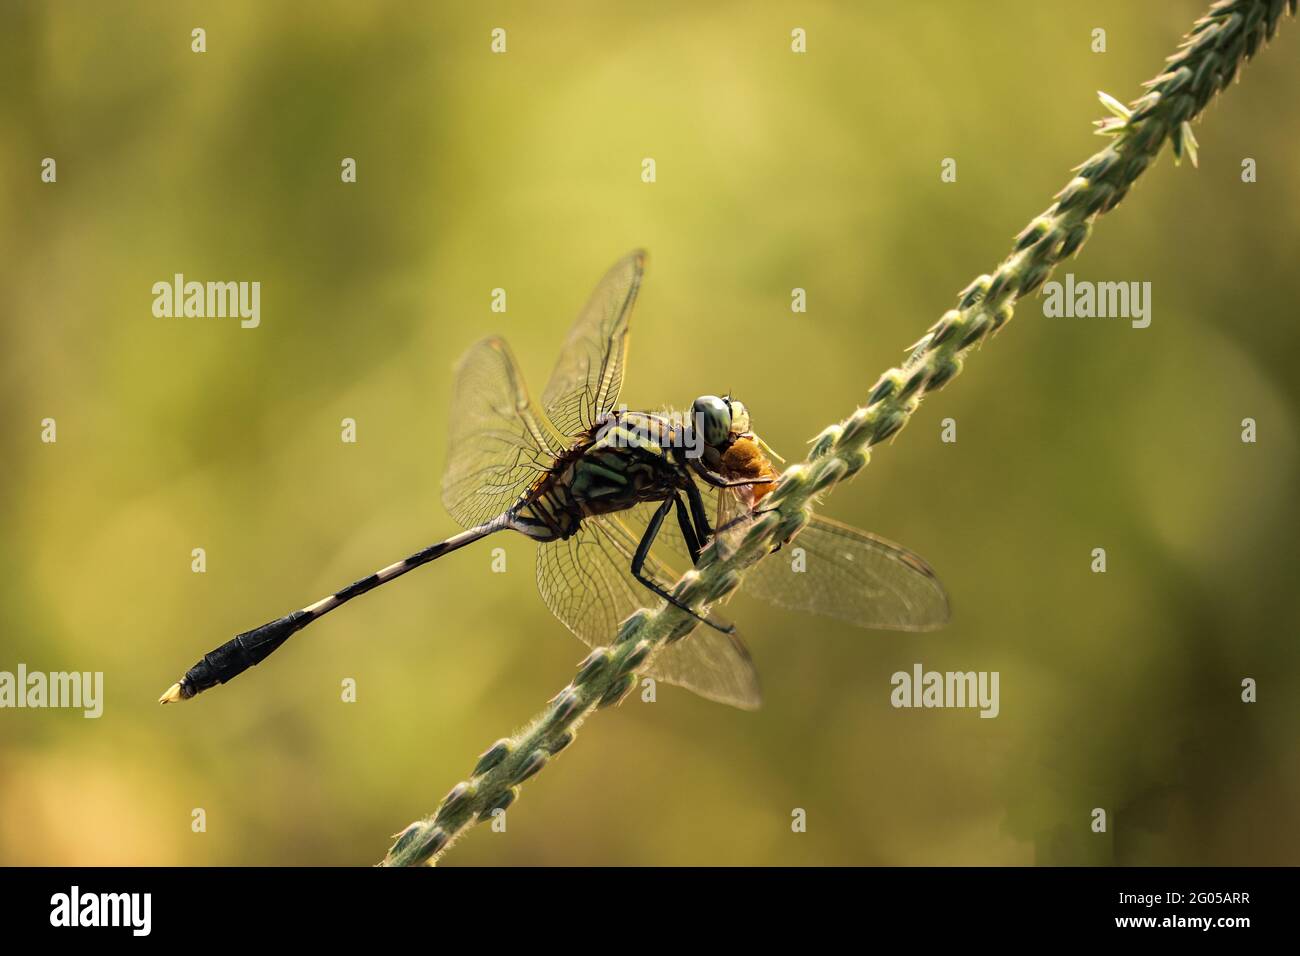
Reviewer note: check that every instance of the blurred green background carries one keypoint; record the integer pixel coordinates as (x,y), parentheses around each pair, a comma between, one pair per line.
(522,171)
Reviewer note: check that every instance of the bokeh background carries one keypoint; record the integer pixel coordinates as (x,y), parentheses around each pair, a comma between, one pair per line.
(522,171)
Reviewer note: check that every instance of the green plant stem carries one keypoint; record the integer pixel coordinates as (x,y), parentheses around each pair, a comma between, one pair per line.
(1206,62)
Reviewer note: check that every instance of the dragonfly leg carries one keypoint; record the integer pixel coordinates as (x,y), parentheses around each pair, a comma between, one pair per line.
(703,530)
(744,482)
(699,518)
(643,552)
(718,481)
(689,534)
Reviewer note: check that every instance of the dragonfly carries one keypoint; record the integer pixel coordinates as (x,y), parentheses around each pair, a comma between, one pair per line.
(595,484)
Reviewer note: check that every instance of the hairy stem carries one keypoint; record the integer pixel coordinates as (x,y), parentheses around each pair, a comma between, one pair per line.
(1206,62)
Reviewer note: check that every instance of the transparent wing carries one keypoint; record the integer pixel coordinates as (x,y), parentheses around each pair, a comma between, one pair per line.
(589,374)
(851,575)
(500,442)
(724,504)
(587,583)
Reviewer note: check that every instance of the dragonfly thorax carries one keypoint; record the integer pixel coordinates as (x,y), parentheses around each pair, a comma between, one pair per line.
(629,459)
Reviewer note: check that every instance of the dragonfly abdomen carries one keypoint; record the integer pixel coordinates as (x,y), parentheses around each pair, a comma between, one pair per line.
(549,514)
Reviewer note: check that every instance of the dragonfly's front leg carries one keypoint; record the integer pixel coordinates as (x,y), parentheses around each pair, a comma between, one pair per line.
(689,533)
(721,481)
(702,529)
(696,531)
(643,552)
(700,516)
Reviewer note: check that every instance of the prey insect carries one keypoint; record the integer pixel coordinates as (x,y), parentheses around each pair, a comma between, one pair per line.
(595,487)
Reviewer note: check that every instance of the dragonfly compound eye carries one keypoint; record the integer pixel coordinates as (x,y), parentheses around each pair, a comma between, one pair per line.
(712,417)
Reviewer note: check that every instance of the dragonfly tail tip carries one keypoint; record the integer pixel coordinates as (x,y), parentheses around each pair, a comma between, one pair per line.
(172,695)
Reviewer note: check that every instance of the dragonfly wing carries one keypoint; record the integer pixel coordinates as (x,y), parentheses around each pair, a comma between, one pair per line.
(500,441)
(587,583)
(589,374)
(851,575)
(714,665)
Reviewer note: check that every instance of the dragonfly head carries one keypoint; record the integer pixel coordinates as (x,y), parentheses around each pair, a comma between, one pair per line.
(720,420)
